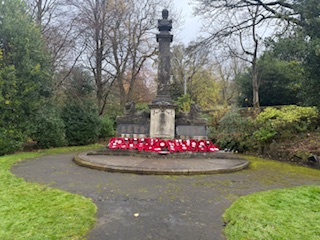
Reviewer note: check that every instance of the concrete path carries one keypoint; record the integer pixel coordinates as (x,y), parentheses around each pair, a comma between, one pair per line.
(143,207)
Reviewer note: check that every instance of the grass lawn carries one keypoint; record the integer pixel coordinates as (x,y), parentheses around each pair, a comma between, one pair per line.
(292,213)
(33,211)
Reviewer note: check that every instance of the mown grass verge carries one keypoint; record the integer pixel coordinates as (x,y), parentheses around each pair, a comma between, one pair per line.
(292,213)
(33,211)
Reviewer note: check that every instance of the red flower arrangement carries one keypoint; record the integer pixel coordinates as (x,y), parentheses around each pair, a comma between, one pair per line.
(160,145)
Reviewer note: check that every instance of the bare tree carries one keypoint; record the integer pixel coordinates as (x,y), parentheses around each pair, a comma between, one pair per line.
(57,27)
(186,63)
(44,11)
(132,42)
(119,39)
(238,26)
(249,46)
(91,18)
(226,69)
(283,10)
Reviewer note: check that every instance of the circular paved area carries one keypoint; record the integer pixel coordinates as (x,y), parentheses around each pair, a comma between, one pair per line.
(169,207)
(162,166)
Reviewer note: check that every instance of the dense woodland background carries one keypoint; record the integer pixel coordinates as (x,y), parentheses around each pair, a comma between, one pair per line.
(68,67)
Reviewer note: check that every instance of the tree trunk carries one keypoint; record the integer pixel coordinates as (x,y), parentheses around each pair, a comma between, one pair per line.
(255,87)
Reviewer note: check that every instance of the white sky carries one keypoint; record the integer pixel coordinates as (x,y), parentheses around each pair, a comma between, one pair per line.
(191,25)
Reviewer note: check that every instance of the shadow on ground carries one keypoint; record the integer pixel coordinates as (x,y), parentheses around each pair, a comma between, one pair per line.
(160,207)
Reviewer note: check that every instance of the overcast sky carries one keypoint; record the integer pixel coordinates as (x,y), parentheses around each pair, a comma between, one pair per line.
(191,25)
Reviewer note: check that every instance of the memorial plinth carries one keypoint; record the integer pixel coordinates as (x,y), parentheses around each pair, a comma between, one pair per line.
(162,120)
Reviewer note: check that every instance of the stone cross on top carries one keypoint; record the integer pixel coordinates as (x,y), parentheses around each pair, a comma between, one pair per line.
(164,38)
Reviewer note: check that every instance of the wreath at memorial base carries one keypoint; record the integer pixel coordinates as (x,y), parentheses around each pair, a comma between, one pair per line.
(160,145)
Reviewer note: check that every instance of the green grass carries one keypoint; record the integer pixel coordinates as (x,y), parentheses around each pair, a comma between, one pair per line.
(33,211)
(257,163)
(292,213)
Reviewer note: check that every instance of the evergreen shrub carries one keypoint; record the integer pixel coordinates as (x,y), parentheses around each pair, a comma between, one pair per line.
(234,131)
(107,127)
(184,103)
(11,140)
(291,118)
(82,123)
(49,129)
(276,123)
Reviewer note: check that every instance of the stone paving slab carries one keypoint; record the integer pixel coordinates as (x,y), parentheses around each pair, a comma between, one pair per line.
(160,166)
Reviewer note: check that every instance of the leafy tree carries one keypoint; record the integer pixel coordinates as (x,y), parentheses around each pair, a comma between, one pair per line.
(305,56)
(82,123)
(288,47)
(312,68)
(79,84)
(50,128)
(11,137)
(280,82)
(24,68)
(302,44)
(79,112)
(205,89)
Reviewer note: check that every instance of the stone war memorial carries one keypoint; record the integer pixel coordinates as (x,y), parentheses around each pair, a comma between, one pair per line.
(163,122)
(162,140)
